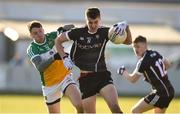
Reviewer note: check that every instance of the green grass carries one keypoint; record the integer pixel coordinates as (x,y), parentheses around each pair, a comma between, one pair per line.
(35,104)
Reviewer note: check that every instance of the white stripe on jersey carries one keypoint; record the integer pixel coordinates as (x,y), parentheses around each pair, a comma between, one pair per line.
(34,56)
(30,52)
(100,55)
(160,80)
(147,76)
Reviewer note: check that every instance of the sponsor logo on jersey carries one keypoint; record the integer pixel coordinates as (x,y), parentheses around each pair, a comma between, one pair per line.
(82,38)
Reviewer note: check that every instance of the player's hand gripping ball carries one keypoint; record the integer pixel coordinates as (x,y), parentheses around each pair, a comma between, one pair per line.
(117,33)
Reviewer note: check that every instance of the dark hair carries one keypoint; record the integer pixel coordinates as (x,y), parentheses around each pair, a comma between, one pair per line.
(140,39)
(93,13)
(33,24)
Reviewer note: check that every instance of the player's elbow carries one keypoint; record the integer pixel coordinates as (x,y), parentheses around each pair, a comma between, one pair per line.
(133,80)
(40,68)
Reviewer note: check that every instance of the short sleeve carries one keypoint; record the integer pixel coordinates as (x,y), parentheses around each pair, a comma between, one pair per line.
(32,52)
(52,35)
(72,34)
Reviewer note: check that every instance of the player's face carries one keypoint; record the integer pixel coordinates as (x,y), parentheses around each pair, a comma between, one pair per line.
(93,24)
(139,49)
(37,34)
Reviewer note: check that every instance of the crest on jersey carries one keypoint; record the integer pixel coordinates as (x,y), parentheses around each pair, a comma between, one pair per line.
(88,40)
(81,38)
(51,52)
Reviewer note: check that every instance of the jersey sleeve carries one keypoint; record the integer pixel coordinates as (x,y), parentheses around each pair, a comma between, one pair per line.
(159,55)
(32,52)
(106,31)
(72,34)
(52,35)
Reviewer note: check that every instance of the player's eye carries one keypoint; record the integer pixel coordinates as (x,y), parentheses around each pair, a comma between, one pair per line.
(34,33)
(90,22)
(95,22)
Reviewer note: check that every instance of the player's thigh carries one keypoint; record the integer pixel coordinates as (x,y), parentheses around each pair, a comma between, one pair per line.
(109,93)
(141,106)
(89,104)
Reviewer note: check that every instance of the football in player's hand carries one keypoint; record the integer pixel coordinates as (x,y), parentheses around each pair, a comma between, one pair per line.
(117,33)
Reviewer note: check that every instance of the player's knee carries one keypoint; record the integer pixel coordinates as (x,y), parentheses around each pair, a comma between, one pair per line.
(115,108)
(78,105)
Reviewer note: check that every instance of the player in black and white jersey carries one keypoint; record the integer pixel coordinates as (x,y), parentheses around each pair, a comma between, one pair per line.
(88,54)
(154,69)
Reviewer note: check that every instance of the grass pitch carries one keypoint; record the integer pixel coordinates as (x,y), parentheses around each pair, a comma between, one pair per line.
(35,104)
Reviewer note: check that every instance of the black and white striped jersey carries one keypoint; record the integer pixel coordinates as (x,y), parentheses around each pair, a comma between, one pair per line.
(88,48)
(152,67)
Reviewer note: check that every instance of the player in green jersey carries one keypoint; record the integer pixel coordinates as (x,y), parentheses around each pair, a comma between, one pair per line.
(56,79)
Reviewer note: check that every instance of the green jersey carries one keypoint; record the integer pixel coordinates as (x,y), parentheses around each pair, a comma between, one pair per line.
(35,49)
(56,71)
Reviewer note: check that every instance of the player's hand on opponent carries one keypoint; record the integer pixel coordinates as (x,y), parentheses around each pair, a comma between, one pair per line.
(65,28)
(120,27)
(121,70)
(68,62)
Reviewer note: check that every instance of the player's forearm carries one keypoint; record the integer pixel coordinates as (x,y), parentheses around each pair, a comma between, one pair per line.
(130,77)
(59,47)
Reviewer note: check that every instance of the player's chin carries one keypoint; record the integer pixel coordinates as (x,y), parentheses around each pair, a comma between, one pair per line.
(138,56)
(93,29)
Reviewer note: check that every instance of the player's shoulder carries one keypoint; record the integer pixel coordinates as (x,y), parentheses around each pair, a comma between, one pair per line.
(52,35)
(104,28)
(79,29)
(153,53)
(32,48)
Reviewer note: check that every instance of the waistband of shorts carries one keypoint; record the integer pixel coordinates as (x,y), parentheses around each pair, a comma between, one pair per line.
(82,74)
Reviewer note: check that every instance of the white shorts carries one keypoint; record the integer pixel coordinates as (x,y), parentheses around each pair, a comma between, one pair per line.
(55,92)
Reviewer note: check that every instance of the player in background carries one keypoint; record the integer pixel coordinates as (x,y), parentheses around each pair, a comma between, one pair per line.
(88,54)
(153,67)
(55,78)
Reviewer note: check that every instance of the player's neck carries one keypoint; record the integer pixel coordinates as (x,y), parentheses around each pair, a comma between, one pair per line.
(92,32)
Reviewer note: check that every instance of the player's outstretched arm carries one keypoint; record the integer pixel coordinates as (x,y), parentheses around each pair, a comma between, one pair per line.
(58,43)
(130,77)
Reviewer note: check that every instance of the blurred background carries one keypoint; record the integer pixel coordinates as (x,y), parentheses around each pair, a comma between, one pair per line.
(158,20)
